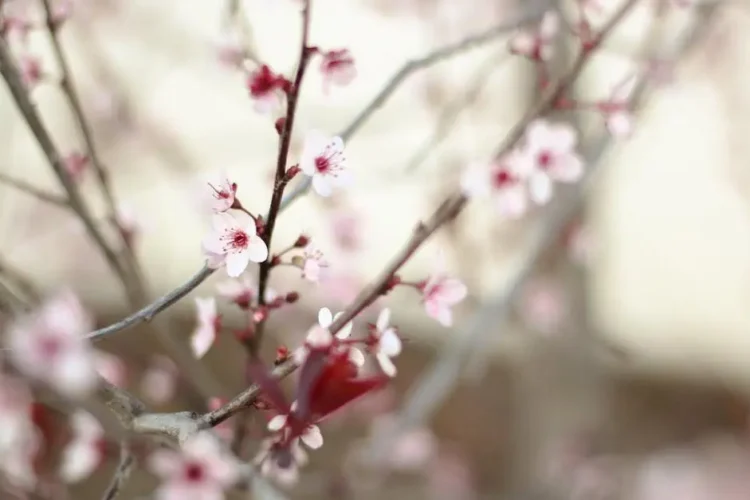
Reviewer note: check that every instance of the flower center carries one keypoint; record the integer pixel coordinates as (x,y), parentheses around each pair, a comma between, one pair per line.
(502,178)
(50,347)
(239,240)
(194,472)
(322,164)
(544,159)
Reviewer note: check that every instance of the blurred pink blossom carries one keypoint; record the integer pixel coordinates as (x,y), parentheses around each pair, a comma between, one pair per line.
(204,334)
(85,451)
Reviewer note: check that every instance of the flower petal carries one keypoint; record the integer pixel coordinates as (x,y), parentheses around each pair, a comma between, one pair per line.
(390,343)
(237,262)
(257,250)
(312,437)
(386,364)
(540,188)
(384,319)
(356,357)
(277,423)
(202,339)
(325,318)
(322,185)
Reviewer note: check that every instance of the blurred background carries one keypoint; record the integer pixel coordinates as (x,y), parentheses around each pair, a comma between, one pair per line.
(622,368)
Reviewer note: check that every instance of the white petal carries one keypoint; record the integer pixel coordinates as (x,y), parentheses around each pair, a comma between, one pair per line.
(384,319)
(322,185)
(550,25)
(511,202)
(540,187)
(312,437)
(277,423)
(257,250)
(523,43)
(237,263)
(386,364)
(345,331)
(325,318)
(475,182)
(201,341)
(356,357)
(620,124)
(164,463)
(80,459)
(390,344)
(319,337)
(223,222)
(74,373)
(568,168)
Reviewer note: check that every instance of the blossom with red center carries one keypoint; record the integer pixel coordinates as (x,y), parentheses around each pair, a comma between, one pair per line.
(441,292)
(616,109)
(551,150)
(86,450)
(234,244)
(222,192)
(202,469)
(323,159)
(504,181)
(49,345)
(313,263)
(75,165)
(338,68)
(209,322)
(537,44)
(266,89)
(384,343)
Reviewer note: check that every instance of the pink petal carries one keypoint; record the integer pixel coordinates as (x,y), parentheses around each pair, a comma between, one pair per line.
(452,291)
(386,364)
(80,459)
(540,188)
(523,43)
(202,339)
(440,312)
(322,185)
(164,463)
(550,25)
(277,423)
(237,262)
(620,124)
(257,250)
(312,437)
(563,138)
(568,169)
(511,202)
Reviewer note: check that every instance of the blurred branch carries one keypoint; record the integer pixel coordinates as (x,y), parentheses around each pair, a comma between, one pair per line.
(122,473)
(20,95)
(148,312)
(436,384)
(534,12)
(448,118)
(37,193)
(18,280)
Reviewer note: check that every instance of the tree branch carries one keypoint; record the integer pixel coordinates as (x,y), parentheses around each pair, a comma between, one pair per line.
(122,473)
(533,13)
(37,193)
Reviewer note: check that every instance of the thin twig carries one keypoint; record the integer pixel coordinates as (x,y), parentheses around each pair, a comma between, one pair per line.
(281,180)
(533,13)
(20,95)
(122,473)
(430,390)
(148,312)
(68,87)
(34,191)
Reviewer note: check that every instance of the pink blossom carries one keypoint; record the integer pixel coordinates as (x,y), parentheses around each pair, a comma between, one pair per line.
(313,264)
(440,293)
(209,322)
(503,180)
(323,160)
(238,244)
(159,381)
(75,165)
(85,452)
(537,44)
(384,343)
(320,337)
(311,436)
(618,118)
(223,193)
(280,462)
(50,346)
(266,89)
(202,470)
(551,149)
(338,68)
(111,368)
(325,320)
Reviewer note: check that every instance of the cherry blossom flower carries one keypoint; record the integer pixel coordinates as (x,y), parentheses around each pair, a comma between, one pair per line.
(85,452)
(75,165)
(503,180)
(159,381)
(202,470)
(313,263)
(111,368)
(310,436)
(384,343)
(551,148)
(50,346)
(325,320)
(338,68)
(209,322)
(222,193)
(323,160)
(617,116)
(238,244)
(537,44)
(440,293)
(266,89)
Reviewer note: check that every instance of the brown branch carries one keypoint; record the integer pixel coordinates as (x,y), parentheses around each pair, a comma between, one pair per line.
(68,87)
(533,13)
(34,191)
(122,473)
(280,179)
(20,95)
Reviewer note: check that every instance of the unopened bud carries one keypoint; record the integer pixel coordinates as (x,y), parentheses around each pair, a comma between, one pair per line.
(279,125)
(292,297)
(302,241)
